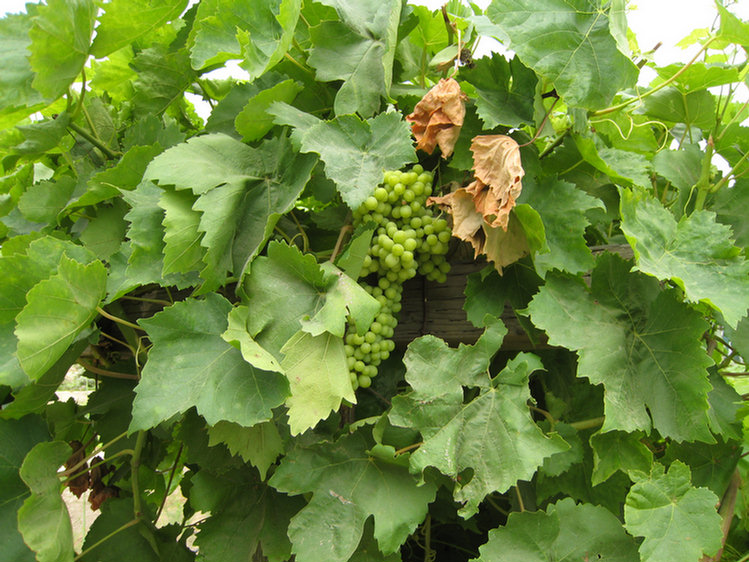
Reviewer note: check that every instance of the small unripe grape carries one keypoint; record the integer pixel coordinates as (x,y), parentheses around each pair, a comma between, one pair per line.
(364,381)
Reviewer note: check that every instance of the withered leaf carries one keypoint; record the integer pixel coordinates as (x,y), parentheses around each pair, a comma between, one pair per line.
(481,210)
(499,171)
(79,484)
(438,117)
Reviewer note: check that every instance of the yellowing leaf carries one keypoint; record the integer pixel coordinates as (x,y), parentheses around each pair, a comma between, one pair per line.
(438,117)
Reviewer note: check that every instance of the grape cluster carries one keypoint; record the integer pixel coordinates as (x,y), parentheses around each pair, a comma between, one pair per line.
(408,239)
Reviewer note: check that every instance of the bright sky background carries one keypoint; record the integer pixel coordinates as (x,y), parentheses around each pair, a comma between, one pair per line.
(653,21)
(667,21)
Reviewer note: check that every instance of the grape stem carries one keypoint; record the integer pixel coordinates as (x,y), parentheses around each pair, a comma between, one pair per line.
(408,448)
(339,243)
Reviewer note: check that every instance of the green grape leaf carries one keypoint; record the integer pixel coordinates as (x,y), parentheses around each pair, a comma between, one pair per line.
(60,39)
(162,78)
(253,122)
(434,369)
(569,45)
(118,28)
(359,49)
(622,166)
(694,108)
(43,519)
(696,253)
(505,90)
(34,397)
(345,298)
(258,445)
(562,208)
(246,516)
(237,335)
(18,438)
(641,343)
(43,136)
(182,249)
(104,233)
(729,204)
(123,176)
(242,192)
(190,365)
(617,450)
(15,81)
(286,285)
(57,310)
(355,152)
(712,467)
(260,32)
(700,75)
(725,405)
(351,260)
(493,434)
(565,532)
(348,485)
(128,543)
(318,376)
(677,521)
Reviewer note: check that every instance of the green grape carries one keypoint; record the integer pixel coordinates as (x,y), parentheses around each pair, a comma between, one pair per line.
(408,239)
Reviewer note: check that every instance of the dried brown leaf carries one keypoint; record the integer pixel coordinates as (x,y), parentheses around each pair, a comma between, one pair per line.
(499,172)
(438,117)
(79,484)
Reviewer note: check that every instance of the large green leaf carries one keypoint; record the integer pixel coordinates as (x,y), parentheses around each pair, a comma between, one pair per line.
(695,108)
(355,152)
(258,445)
(617,450)
(349,485)
(564,533)
(318,376)
(253,122)
(288,291)
(622,166)
(15,81)
(259,31)
(18,437)
(118,28)
(697,253)
(562,208)
(129,543)
(57,310)
(729,205)
(191,365)
(182,249)
(493,434)
(60,39)
(641,343)
(163,77)
(247,517)
(359,49)
(505,90)
(677,521)
(242,192)
(569,43)
(43,519)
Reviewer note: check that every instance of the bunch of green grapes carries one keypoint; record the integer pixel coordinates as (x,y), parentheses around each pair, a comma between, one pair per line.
(408,239)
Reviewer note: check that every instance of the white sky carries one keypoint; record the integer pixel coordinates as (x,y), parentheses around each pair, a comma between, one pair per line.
(667,21)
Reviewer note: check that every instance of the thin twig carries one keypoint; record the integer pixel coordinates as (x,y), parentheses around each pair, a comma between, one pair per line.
(113,318)
(169,485)
(106,373)
(408,448)
(339,243)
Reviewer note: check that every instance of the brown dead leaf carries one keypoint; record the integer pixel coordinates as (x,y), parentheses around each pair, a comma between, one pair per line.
(79,484)
(466,220)
(499,171)
(438,117)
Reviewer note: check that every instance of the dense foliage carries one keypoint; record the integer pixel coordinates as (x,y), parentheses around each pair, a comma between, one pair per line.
(210,276)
